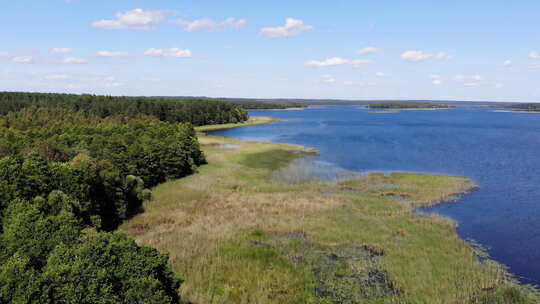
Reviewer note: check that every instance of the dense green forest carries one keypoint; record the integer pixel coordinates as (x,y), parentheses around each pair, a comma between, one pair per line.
(408,105)
(253,103)
(195,111)
(72,168)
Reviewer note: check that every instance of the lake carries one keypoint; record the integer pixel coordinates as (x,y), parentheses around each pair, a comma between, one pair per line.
(499,151)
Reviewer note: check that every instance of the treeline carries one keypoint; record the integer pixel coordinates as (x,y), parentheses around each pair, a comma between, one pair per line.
(68,177)
(533,107)
(195,111)
(408,105)
(253,104)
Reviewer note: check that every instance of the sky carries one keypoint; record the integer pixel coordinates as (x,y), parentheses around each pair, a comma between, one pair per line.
(344,49)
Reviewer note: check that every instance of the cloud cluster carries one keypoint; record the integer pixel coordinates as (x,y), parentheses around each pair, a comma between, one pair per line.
(109,54)
(207,24)
(328,62)
(74,60)
(417,56)
(334,61)
(137,19)
(172,52)
(292,27)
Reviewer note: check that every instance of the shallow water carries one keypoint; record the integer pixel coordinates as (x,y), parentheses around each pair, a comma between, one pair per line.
(499,151)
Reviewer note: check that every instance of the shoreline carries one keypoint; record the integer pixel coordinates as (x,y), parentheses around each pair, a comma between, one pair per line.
(252,121)
(408,109)
(515,111)
(371,218)
(285,109)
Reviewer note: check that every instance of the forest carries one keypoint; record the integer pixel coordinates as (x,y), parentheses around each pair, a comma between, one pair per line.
(408,105)
(72,169)
(197,111)
(532,107)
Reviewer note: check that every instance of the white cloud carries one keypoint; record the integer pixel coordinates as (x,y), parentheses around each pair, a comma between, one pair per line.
(173,52)
(61,50)
(417,56)
(56,77)
(23,59)
(507,63)
(435,76)
(74,60)
(534,55)
(499,86)
(437,82)
(292,27)
(381,74)
(111,54)
(328,62)
(328,79)
(471,84)
(359,63)
(208,24)
(368,50)
(137,19)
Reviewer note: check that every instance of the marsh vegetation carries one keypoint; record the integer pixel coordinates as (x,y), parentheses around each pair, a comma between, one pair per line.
(239,235)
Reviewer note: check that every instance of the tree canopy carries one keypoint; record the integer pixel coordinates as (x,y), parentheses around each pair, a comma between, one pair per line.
(72,168)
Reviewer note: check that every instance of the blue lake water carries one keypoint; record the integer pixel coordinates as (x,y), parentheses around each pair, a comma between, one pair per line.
(499,151)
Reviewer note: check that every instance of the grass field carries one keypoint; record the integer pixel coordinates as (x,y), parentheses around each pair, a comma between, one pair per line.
(238,235)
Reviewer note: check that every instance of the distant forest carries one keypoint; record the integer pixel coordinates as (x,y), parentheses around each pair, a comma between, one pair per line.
(533,107)
(72,169)
(284,103)
(408,105)
(197,111)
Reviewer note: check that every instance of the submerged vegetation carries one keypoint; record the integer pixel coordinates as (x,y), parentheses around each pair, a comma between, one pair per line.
(73,168)
(404,105)
(240,234)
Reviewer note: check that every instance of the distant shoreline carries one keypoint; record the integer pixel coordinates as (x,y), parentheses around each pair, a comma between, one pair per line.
(286,109)
(515,111)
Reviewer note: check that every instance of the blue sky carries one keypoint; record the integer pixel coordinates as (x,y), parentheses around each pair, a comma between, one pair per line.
(466,50)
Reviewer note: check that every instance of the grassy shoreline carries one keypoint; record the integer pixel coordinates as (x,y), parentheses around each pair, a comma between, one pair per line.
(239,234)
(252,121)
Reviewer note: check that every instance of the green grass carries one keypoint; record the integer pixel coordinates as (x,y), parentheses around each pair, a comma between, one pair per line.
(238,236)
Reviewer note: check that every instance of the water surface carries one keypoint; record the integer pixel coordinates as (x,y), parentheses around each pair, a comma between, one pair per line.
(499,151)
